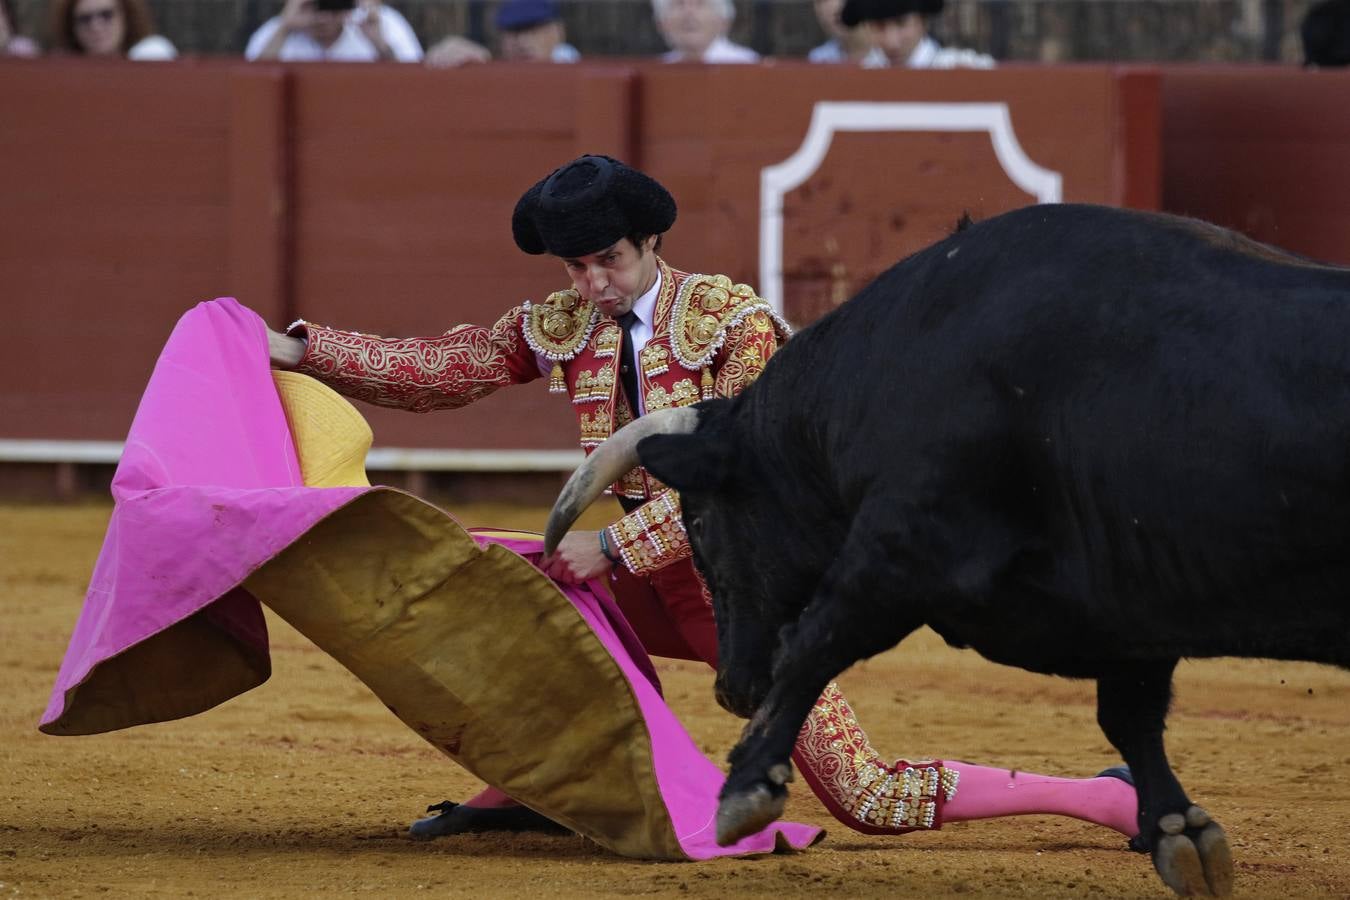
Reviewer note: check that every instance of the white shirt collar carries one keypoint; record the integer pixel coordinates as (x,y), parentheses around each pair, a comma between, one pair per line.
(644,307)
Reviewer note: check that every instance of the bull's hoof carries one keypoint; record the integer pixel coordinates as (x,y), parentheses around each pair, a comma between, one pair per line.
(744,813)
(1192,856)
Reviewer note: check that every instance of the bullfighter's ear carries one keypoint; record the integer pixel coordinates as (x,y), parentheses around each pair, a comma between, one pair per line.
(700,460)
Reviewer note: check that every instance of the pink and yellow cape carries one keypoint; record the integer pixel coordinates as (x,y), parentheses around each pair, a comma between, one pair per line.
(221,504)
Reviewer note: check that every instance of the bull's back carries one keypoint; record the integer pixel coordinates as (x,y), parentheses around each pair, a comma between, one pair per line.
(1153,415)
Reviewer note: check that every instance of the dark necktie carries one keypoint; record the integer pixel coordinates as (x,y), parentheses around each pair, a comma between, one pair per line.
(628,375)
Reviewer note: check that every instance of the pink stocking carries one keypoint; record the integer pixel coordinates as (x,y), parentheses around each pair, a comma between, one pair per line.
(985,793)
(490,798)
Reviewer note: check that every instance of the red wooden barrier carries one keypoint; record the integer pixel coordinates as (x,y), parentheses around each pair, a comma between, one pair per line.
(1262,149)
(379,197)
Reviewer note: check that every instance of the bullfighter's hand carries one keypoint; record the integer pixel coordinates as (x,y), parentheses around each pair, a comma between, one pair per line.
(283,350)
(578,559)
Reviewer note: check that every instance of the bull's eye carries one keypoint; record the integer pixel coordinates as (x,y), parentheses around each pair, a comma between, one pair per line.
(696,524)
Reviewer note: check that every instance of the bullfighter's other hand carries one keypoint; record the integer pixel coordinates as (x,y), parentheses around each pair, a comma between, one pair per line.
(283,350)
(578,559)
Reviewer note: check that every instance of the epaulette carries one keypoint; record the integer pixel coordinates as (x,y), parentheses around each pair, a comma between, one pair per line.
(707,306)
(557,329)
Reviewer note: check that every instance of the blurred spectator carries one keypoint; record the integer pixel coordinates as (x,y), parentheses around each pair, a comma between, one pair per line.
(108,28)
(852,45)
(456,50)
(1326,34)
(532,31)
(528,31)
(335,30)
(11,42)
(900,29)
(696,31)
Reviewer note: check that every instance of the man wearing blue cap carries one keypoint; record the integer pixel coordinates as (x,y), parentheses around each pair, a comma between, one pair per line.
(532,31)
(630,335)
(528,31)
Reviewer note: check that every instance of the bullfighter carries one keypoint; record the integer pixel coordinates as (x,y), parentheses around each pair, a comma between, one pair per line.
(632,335)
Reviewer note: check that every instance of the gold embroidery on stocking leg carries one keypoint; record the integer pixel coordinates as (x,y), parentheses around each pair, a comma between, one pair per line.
(894,796)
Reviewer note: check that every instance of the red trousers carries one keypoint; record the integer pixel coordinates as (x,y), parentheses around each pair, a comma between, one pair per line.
(669,612)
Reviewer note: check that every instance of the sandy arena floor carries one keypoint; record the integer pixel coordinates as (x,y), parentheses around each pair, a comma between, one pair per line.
(305,785)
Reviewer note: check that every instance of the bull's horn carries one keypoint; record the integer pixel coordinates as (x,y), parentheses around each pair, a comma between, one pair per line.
(607,463)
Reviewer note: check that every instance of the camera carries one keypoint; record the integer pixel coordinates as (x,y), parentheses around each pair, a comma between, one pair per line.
(335,5)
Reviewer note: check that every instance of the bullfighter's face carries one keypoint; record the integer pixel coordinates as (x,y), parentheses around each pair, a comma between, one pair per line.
(616,276)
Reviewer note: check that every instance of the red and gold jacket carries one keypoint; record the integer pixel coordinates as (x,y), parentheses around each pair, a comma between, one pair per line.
(711,338)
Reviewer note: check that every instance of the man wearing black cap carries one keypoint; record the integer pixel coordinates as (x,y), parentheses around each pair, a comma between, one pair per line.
(632,335)
(899,28)
(1326,34)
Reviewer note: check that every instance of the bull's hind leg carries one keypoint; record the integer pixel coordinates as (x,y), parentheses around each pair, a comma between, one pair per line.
(851,617)
(1190,851)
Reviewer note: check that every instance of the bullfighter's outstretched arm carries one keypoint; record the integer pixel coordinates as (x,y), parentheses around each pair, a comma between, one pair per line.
(449,371)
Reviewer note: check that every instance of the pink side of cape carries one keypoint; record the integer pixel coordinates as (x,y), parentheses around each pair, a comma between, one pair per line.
(209,465)
(689,781)
(209,434)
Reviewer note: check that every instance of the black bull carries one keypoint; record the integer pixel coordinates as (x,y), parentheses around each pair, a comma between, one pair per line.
(1082,441)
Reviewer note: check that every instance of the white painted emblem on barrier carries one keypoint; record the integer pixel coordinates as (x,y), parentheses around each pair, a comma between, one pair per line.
(828,117)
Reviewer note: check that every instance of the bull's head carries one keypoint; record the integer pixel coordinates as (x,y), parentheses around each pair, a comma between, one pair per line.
(740,532)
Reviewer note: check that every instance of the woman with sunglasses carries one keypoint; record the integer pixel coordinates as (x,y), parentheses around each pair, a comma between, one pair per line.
(108,28)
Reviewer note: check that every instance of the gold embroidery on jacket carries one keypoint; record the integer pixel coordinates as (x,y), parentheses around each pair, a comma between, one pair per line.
(655,360)
(752,342)
(682,393)
(652,535)
(465,364)
(592,387)
(606,341)
(594,428)
(706,307)
(557,329)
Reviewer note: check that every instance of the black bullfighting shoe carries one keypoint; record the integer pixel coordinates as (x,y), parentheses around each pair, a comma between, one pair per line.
(456,818)
(1138,843)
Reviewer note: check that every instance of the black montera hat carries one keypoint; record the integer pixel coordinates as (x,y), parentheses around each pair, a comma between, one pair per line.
(589,204)
(855,12)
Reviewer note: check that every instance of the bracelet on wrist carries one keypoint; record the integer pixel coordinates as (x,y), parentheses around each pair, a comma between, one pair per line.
(604,548)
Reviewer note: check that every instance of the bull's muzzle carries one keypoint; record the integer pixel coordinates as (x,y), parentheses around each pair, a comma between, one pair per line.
(739,697)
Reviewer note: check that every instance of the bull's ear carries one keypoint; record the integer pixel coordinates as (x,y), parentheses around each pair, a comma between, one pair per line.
(700,460)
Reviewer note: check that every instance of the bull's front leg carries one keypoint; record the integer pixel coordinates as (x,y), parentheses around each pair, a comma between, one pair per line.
(848,619)
(1190,850)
